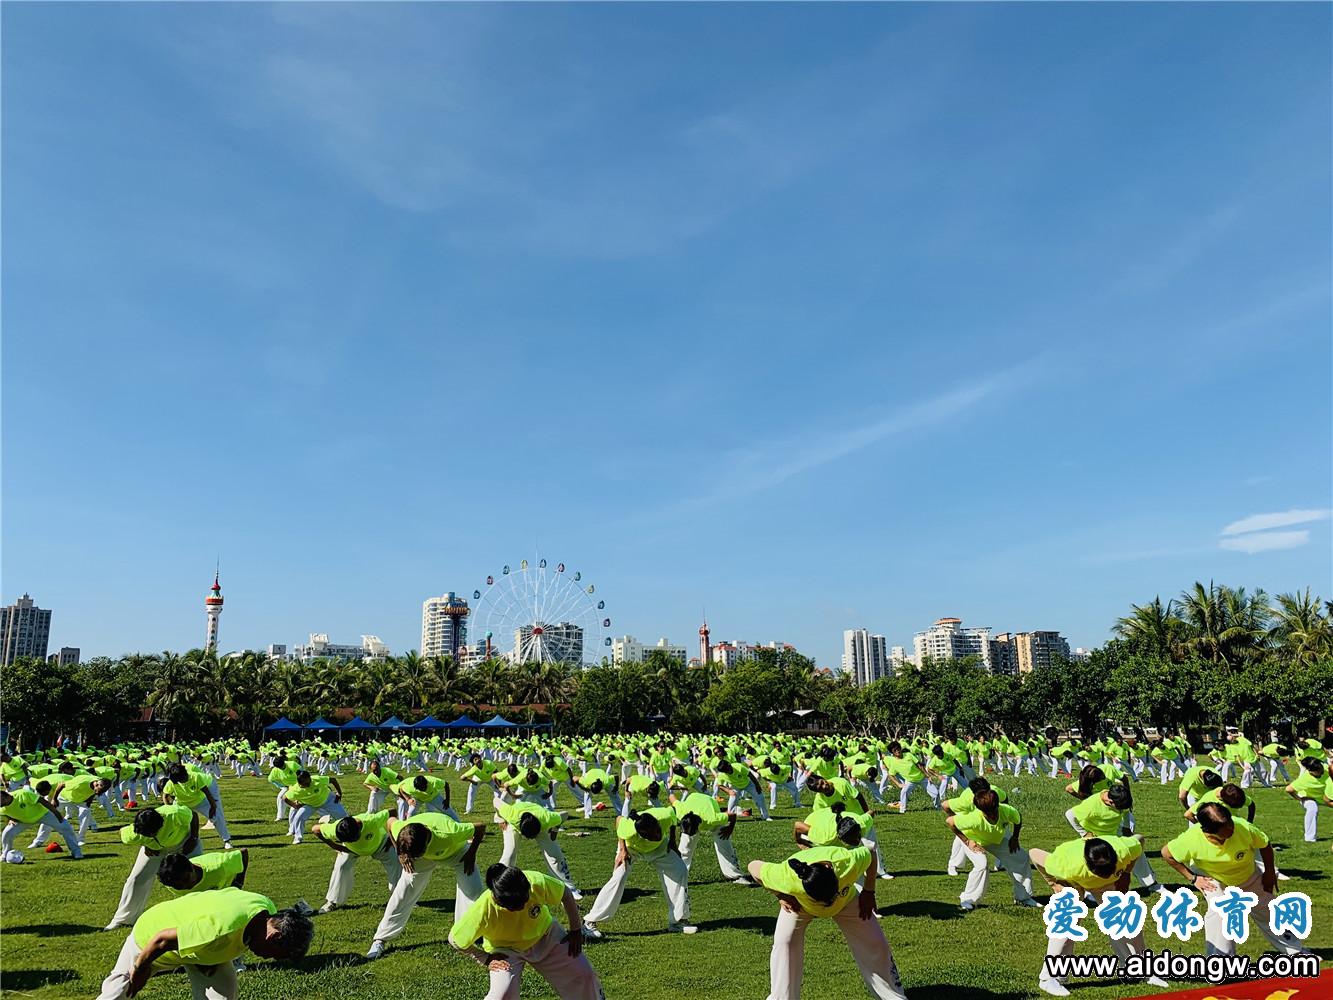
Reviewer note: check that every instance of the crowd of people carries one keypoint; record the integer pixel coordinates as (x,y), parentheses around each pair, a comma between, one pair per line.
(667,795)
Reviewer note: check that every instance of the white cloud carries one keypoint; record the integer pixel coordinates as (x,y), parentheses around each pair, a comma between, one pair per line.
(1266,541)
(1278,519)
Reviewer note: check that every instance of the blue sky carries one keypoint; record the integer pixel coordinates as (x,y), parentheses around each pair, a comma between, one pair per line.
(816,317)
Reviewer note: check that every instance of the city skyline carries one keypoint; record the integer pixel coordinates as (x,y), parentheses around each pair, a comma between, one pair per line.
(827,332)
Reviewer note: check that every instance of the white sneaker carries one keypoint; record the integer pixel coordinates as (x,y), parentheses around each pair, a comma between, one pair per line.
(952,871)
(886,877)
(1029,902)
(576,894)
(1283,877)
(1157,981)
(376,950)
(1052,987)
(112,926)
(226,845)
(327,908)
(591,932)
(682,929)
(967,907)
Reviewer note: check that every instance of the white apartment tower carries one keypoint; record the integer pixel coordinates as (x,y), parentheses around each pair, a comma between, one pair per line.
(444,625)
(25,629)
(864,656)
(948,640)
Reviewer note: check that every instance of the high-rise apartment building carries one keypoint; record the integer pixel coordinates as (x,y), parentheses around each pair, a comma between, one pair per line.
(948,640)
(627,649)
(67,657)
(864,656)
(25,629)
(444,625)
(561,642)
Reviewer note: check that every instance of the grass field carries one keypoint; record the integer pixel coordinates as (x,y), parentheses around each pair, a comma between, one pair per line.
(52,911)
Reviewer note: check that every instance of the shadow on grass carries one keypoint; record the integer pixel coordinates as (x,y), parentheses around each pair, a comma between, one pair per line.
(31,979)
(337,960)
(755,925)
(921,871)
(944,991)
(53,930)
(931,908)
(1305,874)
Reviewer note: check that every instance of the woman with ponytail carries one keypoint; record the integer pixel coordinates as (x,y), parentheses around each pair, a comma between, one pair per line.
(821,882)
(648,836)
(511,925)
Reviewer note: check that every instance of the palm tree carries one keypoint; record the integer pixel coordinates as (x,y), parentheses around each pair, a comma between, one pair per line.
(1300,628)
(1153,626)
(1224,625)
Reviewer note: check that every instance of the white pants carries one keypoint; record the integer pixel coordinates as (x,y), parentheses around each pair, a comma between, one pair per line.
(219,983)
(376,801)
(957,855)
(675,884)
(865,938)
(787,786)
(1311,807)
(330,808)
(570,978)
(46,826)
(1017,864)
(219,820)
(282,803)
(551,851)
(726,854)
(139,885)
(83,814)
(343,879)
(411,885)
(752,793)
(1213,922)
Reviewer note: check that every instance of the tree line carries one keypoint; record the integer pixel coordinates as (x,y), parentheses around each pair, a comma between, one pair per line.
(1215,656)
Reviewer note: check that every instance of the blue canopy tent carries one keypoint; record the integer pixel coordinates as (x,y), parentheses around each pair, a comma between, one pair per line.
(393,722)
(463,722)
(321,723)
(357,723)
(496,722)
(283,725)
(430,722)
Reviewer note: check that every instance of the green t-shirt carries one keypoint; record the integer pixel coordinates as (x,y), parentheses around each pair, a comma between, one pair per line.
(449,838)
(849,864)
(176,821)
(823,824)
(1066,863)
(314,794)
(1191,782)
(220,870)
(26,808)
(702,805)
(384,780)
(1232,862)
(208,925)
(975,826)
(512,813)
(666,818)
(408,786)
(1097,817)
(78,788)
(1306,785)
(499,929)
(374,831)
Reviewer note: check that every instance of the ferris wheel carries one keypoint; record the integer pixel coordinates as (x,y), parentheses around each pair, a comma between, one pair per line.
(540,613)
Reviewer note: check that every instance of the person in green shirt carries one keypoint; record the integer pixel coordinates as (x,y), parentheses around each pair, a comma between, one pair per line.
(1090,867)
(191,787)
(24,807)
(353,837)
(740,782)
(481,772)
(1223,848)
(76,792)
(539,825)
(205,932)
(821,882)
(1192,783)
(992,828)
(1230,795)
(511,926)
(423,793)
(962,803)
(378,781)
(172,829)
(282,776)
(1109,813)
(650,837)
(207,871)
(1272,759)
(1307,789)
(701,818)
(595,781)
(425,842)
(313,795)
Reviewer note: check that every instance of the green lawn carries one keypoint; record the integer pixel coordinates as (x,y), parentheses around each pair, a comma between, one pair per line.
(52,911)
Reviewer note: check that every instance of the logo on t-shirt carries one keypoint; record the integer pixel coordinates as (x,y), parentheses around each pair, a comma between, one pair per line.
(1240,855)
(534,909)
